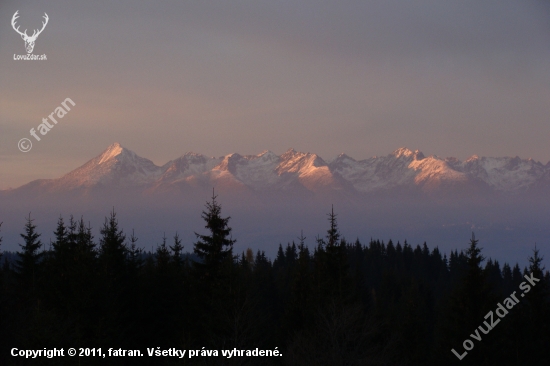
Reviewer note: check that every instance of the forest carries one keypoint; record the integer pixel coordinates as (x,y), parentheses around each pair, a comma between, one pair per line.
(332,302)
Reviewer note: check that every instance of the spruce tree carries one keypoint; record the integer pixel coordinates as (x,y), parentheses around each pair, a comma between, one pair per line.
(29,256)
(134,254)
(298,314)
(162,256)
(468,304)
(177,251)
(61,243)
(216,247)
(112,246)
(1,287)
(333,235)
(291,255)
(84,242)
(3,311)
(1,242)
(85,287)
(280,260)
(58,263)
(215,283)
(535,312)
(332,266)
(113,292)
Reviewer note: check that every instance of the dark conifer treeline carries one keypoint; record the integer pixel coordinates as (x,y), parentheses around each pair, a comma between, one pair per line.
(336,303)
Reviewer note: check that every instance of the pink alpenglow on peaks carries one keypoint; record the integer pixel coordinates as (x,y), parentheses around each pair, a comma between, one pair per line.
(267,171)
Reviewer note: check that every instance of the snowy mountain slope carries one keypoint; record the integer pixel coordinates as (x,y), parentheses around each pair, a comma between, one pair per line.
(118,167)
(401,168)
(254,171)
(115,167)
(310,170)
(188,170)
(505,174)
(377,172)
(188,165)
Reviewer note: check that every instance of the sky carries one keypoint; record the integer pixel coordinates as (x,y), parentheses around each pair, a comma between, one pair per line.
(451,78)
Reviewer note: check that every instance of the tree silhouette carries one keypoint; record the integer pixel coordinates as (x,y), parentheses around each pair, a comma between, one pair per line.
(217,247)
(112,246)
(27,264)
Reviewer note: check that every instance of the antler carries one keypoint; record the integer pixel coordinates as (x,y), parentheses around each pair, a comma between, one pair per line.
(15,16)
(35,35)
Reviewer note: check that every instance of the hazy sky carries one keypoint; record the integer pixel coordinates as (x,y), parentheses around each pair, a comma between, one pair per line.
(452,78)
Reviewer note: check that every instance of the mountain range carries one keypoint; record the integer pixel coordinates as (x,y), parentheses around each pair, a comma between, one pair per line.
(403,169)
(272,198)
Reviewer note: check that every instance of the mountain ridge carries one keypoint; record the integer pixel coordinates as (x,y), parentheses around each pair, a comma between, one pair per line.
(120,168)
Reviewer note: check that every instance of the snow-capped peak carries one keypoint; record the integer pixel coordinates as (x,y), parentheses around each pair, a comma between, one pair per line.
(192,154)
(111,152)
(120,167)
(402,151)
(407,153)
(268,155)
(115,166)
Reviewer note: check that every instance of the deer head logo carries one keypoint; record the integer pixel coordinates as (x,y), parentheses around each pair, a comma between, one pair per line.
(29,41)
